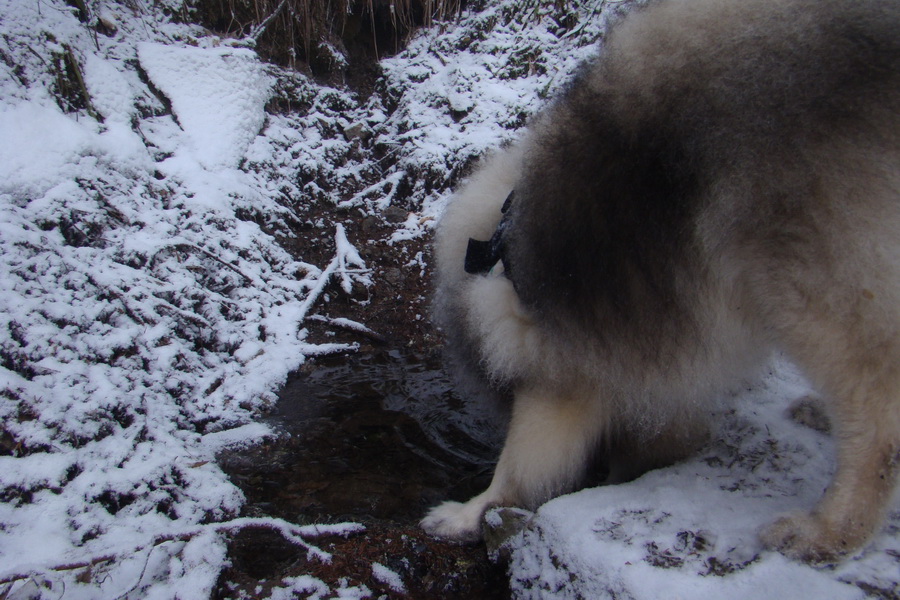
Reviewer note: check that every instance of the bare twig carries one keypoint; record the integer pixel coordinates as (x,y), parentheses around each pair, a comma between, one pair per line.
(261,27)
(186,247)
(291,532)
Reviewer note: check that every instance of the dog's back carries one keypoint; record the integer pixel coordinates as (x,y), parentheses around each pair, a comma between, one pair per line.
(703,122)
(723,178)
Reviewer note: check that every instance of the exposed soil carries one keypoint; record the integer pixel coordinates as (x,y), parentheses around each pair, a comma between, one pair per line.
(396,306)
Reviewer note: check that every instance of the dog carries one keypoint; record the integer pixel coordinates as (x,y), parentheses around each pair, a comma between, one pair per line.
(721,181)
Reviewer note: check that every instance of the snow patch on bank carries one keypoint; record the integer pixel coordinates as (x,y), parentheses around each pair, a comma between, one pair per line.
(144,324)
(217,94)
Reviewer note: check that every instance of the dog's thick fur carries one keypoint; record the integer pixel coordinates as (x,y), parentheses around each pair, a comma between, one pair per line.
(724,179)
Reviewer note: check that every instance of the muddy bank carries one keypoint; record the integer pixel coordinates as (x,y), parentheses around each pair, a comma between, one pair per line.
(374,438)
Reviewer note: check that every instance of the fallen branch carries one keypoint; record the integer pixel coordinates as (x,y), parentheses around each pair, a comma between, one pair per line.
(188,248)
(351,326)
(259,29)
(345,254)
(291,532)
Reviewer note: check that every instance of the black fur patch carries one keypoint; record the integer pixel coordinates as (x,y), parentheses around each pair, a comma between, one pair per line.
(601,234)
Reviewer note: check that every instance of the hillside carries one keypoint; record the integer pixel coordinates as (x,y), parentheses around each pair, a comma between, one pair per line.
(193,208)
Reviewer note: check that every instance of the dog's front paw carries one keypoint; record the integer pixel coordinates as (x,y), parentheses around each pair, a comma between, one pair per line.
(809,538)
(455,521)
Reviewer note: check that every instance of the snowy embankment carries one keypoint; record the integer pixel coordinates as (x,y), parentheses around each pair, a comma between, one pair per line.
(148,312)
(144,324)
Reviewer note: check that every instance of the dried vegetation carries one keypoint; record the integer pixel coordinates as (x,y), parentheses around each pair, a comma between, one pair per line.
(317,32)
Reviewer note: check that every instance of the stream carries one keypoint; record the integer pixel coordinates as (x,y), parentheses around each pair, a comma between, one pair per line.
(374,438)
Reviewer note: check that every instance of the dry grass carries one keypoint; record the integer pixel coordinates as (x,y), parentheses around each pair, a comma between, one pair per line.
(287,31)
(403,12)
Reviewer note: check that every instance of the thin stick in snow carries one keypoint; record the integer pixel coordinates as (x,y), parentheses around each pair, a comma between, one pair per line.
(345,255)
(295,534)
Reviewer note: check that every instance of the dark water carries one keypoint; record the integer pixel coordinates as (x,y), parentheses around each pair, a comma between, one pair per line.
(372,437)
(376,439)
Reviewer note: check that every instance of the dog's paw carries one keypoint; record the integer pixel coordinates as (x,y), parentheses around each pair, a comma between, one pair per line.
(455,521)
(808,538)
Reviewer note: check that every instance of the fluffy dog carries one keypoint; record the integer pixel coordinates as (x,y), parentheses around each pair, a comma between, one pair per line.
(724,179)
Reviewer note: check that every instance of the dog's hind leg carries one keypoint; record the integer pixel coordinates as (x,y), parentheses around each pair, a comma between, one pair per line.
(856,362)
(548,446)
(857,498)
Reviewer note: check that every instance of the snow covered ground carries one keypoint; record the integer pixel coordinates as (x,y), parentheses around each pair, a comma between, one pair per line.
(145,323)
(148,312)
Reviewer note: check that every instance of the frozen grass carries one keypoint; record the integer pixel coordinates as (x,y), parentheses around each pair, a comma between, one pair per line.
(312,32)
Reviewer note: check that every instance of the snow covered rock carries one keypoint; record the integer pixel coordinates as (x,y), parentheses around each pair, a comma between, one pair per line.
(218,96)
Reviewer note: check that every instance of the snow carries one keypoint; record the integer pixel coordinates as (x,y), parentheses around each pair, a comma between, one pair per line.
(217,95)
(313,588)
(42,148)
(388,577)
(111,93)
(147,318)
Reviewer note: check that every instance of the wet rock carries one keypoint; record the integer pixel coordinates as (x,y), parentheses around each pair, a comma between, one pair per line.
(395,214)
(500,526)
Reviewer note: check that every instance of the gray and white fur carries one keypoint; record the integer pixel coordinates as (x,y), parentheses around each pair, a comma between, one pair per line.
(723,180)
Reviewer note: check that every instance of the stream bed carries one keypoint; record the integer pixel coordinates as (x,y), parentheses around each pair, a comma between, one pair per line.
(374,438)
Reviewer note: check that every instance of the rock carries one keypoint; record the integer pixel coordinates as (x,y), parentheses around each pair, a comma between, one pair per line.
(395,214)
(357,131)
(370,224)
(394,277)
(500,526)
